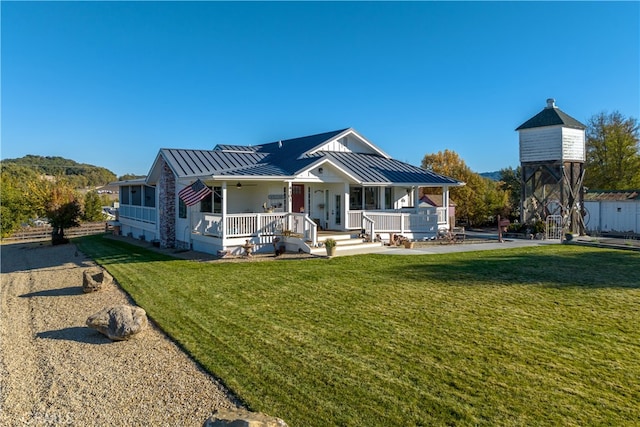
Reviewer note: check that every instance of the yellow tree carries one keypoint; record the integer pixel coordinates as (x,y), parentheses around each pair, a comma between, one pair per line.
(476,202)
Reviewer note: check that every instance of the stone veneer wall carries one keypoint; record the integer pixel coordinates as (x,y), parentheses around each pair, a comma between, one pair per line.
(167,207)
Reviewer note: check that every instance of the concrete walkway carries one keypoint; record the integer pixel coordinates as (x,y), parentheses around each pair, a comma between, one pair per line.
(432,249)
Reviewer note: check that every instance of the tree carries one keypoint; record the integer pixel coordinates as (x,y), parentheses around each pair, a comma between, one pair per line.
(63,211)
(21,197)
(476,202)
(613,152)
(510,182)
(129,176)
(92,207)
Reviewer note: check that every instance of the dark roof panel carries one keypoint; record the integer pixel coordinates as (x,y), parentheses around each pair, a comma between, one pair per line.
(207,162)
(551,116)
(371,168)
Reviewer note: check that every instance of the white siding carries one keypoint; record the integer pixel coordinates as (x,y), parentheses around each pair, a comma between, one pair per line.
(592,222)
(348,144)
(573,148)
(620,216)
(541,144)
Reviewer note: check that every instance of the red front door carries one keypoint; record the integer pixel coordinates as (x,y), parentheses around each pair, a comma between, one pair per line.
(297,198)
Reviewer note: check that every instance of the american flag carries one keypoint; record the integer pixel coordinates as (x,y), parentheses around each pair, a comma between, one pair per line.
(193,193)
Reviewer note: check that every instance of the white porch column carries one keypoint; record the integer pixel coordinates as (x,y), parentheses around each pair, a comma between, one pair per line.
(224,210)
(344,223)
(289,203)
(445,204)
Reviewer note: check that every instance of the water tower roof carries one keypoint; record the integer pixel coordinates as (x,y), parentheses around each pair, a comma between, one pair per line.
(551,116)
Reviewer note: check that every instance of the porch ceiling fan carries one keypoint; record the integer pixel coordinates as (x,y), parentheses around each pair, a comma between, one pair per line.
(240,185)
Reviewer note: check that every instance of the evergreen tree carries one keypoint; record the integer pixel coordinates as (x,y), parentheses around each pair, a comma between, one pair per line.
(92,207)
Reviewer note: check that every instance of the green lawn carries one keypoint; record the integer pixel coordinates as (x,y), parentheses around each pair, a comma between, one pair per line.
(547,335)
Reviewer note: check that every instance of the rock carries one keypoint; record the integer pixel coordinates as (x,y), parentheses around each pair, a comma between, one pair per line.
(242,418)
(94,278)
(119,322)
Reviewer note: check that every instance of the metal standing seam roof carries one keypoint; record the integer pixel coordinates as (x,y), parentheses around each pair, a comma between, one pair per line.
(286,158)
(371,168)
(208,162)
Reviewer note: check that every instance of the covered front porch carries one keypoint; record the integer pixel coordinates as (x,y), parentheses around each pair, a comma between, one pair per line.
(295,212)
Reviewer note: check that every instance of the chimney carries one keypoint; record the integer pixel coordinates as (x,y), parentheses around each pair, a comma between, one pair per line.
(551,103)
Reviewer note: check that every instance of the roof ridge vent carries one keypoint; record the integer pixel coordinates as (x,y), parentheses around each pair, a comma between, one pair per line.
(551,103)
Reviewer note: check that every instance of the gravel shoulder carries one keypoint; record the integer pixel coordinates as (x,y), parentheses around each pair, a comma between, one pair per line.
(56,371)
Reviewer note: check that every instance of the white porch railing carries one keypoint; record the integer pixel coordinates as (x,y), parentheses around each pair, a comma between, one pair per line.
(255,224)
(247,225)
(426,220)
(138,213)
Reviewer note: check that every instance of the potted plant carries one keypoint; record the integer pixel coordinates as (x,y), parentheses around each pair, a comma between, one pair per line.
(330,245)
(408,244)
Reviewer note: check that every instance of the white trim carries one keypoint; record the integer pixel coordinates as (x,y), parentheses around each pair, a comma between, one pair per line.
(320,162)
(347,132)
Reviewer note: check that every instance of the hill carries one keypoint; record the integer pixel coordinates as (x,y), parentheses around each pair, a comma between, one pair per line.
(494,176)
(80,174)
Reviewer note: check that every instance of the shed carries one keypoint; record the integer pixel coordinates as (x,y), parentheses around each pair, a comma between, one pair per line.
(613,211)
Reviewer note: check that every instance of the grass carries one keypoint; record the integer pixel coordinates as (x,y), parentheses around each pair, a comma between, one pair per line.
(539,336)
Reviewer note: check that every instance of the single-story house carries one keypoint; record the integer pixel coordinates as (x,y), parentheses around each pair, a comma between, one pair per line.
(615,211)
(221,199)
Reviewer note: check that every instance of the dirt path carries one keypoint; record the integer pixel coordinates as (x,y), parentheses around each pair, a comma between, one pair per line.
(56,371)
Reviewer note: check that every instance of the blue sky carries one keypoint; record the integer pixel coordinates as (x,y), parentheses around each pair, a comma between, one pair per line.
(111,83)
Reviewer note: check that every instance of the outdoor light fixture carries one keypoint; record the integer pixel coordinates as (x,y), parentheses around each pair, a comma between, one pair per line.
(320,170)
(238,186)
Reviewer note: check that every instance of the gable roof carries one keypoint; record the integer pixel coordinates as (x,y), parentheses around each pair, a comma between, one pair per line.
(551,116)
(288,158)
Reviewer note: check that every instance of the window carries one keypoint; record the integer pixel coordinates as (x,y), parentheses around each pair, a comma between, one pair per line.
(150,197)
(371,199)
(355,198)
(217,199)
(136,195)
(124,195)
(206,204)
(213,202)
(388,198)
(182,209)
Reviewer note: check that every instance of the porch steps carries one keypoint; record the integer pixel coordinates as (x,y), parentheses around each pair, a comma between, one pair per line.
(346,243)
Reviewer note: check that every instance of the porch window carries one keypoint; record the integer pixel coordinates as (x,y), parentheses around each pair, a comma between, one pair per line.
(182,209)
(150,197)
(355,198)
(371,198)
(213,202)
(136,195)
(217,199)
(124,195)
(388,197)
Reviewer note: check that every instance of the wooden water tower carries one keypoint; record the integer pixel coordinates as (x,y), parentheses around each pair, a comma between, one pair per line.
(552,156)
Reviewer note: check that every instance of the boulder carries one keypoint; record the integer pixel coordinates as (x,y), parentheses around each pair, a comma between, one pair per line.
(242,418)
(119,322)
(94,278)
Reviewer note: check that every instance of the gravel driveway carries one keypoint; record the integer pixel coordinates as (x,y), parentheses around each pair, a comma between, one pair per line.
(56,371)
